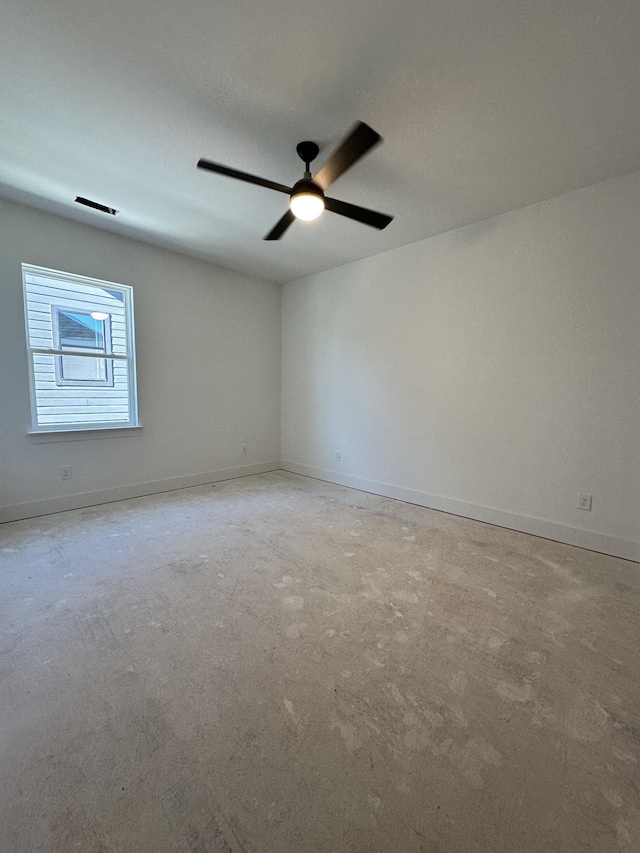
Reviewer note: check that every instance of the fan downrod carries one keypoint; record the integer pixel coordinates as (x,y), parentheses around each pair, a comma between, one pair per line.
(307,152)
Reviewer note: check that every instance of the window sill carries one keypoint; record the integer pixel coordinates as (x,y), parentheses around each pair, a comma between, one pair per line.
(49,436)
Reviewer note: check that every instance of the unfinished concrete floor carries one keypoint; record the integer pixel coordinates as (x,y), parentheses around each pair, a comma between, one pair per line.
(279,665)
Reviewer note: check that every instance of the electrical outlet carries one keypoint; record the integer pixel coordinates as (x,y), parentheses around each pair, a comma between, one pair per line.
(243,450)
(584,501)
(338,456)
(65,473)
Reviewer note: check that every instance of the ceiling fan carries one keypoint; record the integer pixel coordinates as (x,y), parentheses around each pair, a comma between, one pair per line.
(307,198)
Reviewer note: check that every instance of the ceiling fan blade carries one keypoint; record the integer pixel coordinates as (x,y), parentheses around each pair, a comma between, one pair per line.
(281,226)
(360,140)
(360,214)
(242,176)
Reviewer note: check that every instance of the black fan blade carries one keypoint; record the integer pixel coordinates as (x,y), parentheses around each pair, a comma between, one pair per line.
(281,226)
(355,145)
(360,214)
(242,176)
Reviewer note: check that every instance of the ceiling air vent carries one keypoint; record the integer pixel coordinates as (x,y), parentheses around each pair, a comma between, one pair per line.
(96,205)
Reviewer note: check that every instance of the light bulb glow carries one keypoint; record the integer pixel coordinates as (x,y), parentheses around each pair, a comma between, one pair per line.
(306,206)
(99,315)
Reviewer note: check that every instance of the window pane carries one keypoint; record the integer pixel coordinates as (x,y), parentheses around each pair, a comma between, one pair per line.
(46,296)
(60,404)
(80,330)
(74,367)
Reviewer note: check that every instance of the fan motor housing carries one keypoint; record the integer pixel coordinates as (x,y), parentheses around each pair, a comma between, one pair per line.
(306,187)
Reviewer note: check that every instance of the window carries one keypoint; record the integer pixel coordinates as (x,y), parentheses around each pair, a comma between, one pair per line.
(79,330)
(81,351)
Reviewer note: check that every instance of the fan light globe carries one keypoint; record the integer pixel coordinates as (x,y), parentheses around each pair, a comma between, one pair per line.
(306,206)
(99,315)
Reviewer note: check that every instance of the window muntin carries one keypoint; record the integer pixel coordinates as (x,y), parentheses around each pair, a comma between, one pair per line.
(80,337)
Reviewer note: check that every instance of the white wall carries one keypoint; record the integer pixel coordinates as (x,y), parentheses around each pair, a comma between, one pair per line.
(493,371)
(208,344)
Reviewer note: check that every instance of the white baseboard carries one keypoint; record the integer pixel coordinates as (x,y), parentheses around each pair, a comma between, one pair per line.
(625,548)
(85,499)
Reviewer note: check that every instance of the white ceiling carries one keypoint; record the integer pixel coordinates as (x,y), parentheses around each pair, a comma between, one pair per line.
(485,106)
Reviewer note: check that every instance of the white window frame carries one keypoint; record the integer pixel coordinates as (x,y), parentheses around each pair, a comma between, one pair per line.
(129,358)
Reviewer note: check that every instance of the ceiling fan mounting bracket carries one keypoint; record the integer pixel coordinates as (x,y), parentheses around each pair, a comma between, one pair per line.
(307,152)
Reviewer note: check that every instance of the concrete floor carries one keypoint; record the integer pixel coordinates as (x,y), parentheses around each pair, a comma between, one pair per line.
(279,665)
